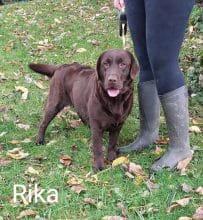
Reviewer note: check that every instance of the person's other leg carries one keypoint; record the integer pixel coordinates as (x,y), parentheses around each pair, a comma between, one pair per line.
(165,24)
(149,104)
(136,18)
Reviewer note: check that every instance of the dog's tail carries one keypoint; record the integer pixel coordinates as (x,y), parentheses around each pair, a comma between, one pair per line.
(45,69)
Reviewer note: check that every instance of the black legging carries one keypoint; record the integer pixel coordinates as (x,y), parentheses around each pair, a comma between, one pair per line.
(157,28)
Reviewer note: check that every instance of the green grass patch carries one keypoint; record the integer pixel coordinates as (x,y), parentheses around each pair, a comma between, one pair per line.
(51,32)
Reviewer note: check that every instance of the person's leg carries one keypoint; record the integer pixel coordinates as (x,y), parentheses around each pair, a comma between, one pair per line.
(165,24)
(165,27)
(149,104)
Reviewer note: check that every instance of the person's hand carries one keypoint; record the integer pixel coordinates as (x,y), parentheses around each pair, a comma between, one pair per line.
(119,4)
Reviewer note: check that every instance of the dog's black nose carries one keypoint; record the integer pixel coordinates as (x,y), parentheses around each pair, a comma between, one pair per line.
(112,79)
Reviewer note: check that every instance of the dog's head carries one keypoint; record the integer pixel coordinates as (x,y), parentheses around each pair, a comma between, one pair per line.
(116,68)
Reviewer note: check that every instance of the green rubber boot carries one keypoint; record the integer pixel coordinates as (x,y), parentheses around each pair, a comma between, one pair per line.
(149,106)
(175,106)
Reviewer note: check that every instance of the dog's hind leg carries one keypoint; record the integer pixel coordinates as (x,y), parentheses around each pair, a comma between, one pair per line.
(51,110)
(55,103)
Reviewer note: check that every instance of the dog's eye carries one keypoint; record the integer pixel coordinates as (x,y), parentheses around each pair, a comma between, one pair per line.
(122,65)
(106,65)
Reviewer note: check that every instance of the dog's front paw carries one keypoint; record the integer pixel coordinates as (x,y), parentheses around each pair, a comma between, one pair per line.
(98,166)
(111,156)
(39,141)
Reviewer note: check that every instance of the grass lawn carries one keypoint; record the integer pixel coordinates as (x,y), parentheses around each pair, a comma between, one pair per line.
(62,32)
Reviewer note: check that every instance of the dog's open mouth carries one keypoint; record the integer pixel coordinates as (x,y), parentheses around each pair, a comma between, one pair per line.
(113,92)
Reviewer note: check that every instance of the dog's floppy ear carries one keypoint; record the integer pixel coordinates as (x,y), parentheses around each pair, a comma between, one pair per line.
(99,71)
(134,69)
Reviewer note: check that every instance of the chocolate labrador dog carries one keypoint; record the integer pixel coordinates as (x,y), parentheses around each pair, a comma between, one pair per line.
(102,98)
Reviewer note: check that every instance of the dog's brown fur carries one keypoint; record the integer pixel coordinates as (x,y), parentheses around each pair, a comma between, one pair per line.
(87,90)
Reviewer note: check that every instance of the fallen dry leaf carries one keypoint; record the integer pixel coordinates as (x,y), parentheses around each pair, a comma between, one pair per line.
(152,186)
(89,201)
(31,170)
(129,175)
(14,142)
(186,188)
(43,48)
(28,78)
(162,141)
(73,180)
(52,142)
(23,126)
(25,213)
(159,151)
(3,133)
(113,218)
(199,190)
(135,169)
(78,188)
(65,160)
(179,203)
(17,153)
(75,123)
(195,129)
(4,109)
(26,140)
(190,29)
(183,202)
(123,209)
(5,161)
(196,121)
(145,209)
(183,164)
(15,150)
(94,42)
(23,90)
(198,213)
(146,193)
(119,161)
(185,218)
(173,206)
(92,179)
(139,179)
(71,112)
(81,50)
(100,204)
(39,85)
(2,77)
(57,20)
(45,45)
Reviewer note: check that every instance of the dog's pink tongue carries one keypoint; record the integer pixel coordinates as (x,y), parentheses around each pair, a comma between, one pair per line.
(113,92)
